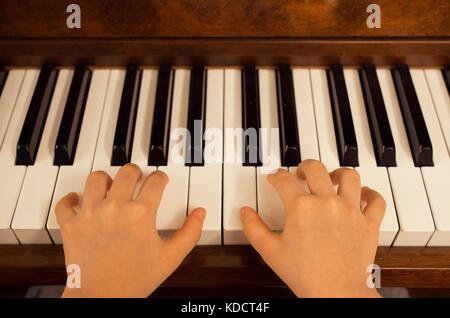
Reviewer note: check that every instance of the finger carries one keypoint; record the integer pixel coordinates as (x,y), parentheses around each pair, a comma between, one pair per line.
(185,238)
(124,184)
(97,185)
(316,176)
(258,233)
(64,209)
(349,185)
(152,189)
(375,205)
(287,186)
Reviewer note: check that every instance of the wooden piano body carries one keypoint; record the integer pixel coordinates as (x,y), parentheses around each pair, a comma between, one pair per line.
(226,33)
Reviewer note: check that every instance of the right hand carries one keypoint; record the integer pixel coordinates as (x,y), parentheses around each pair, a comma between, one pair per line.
(327,242)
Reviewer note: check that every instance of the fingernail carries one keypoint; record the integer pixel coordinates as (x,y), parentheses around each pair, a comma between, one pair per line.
(202,213)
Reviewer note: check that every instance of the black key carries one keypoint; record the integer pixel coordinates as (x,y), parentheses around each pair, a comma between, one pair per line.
(419,140)
(342,117)
(3,77)
(69,129)
(196,116)
(287,117)
(445,73)
(33,126)
(159,141)
(380,129)
(123,139)
(251,122)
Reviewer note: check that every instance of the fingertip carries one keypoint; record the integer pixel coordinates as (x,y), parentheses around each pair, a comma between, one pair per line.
(73,198)
(333,178)
(299,172)
(133,166)
(200,212)
(162,175)
(65,207)
(309,164)
(245,211)
(271,177)
(365,192)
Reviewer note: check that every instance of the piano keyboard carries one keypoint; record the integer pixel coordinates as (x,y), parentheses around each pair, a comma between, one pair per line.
(59,125)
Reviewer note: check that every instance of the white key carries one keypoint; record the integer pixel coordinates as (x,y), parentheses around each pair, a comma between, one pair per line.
(173,208)
(72,178)
(12,175)
(441,101)
(307,133)
(440,153)
(239,182)
(371,175)
(144,121)
(270,207)
(378,179)
(205,183)
(413,210)
(8,98)
(437,182)
(436,179)
(103,152)
(37,188)
(306,119)
(324,119)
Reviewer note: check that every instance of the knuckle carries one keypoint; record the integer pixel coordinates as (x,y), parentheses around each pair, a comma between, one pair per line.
(139,207)
(373,226)
(302,201)
(331,202)
(110,205)
(66,225)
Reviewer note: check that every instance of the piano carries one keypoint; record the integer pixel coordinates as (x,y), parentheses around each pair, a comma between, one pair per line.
(76,100)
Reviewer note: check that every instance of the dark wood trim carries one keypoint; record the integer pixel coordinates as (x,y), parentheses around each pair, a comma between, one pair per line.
(231,266)
(225,52)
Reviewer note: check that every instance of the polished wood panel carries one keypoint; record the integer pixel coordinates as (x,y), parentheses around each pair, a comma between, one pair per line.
(223,18)
(231,266)
(224,33)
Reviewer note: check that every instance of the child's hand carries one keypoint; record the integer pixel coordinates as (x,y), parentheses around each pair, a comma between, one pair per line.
(327,242)
(114,239)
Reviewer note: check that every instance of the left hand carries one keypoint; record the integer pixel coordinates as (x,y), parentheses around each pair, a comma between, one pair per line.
(114,239)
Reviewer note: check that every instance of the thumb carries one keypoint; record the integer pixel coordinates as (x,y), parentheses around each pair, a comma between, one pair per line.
(186,237)
(258,233)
